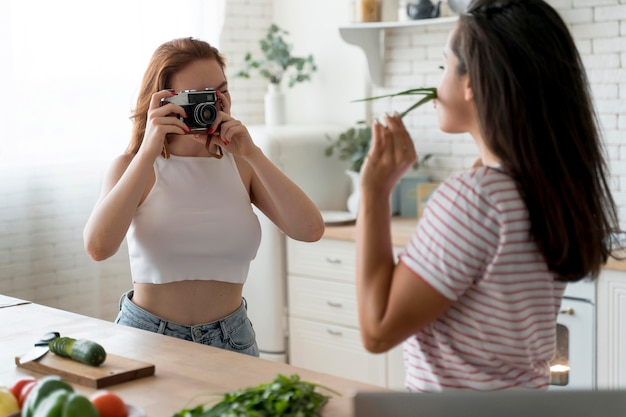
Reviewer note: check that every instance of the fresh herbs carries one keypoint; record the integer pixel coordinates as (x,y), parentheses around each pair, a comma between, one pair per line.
(284,397)
(429,93)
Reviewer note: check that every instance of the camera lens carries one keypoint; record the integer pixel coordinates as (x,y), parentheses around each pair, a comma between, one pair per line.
(204,114)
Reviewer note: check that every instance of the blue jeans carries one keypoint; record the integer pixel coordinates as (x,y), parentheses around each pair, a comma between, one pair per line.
(234,332)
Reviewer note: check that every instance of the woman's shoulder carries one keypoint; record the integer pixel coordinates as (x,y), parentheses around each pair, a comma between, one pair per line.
(123,159)
(483,177)
(118,166)
(121,162)
(480,187)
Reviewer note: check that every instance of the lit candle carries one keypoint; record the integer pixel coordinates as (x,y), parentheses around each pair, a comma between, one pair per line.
(559,374)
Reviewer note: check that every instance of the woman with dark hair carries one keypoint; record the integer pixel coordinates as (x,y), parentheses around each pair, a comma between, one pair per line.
(476,291)
(182,196)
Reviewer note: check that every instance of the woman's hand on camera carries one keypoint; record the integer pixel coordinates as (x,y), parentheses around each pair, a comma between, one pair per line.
(161,121)
(228,132)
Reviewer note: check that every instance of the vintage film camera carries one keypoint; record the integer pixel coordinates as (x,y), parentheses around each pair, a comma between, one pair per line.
(199,105)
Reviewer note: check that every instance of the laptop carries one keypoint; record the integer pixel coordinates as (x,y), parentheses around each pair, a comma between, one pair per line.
(515,403)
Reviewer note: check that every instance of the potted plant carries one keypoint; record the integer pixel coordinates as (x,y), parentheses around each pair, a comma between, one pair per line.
(277,63)
(353,144)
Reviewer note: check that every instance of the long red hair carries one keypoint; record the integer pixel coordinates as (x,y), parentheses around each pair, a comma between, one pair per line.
(168,59)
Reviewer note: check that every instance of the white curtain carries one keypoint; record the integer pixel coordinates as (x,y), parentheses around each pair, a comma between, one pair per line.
(70,71)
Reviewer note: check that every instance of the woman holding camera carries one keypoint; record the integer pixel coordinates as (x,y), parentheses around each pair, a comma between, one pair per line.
(476,292)
(183,199)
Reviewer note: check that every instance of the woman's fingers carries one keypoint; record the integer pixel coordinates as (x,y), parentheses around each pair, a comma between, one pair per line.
(391,153)
(403,146)
(223,102)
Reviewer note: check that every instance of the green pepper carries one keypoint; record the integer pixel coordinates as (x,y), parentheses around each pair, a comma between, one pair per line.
(44,388)
(52,405)
(78,405)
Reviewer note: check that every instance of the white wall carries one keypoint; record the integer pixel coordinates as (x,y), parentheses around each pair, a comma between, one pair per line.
(44,207)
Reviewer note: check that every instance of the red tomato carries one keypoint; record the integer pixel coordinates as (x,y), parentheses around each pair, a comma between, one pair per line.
(109,404)
(26,389)
(17,387)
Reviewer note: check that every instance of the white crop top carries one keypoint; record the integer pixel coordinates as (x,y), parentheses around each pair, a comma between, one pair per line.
(196,223)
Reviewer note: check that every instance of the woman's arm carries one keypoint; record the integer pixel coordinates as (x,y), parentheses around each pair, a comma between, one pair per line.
(277,196)
(393,302)
(128,181)
(282,201)
(121,193)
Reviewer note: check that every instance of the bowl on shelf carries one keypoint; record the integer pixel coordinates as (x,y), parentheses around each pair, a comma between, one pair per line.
(458,6)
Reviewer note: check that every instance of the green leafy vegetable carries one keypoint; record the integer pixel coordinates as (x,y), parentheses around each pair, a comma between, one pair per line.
(353,144)
(429,94)
(284,397)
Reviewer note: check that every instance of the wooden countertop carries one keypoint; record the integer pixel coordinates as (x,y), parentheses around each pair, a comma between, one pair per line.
(402,229)
(182,369)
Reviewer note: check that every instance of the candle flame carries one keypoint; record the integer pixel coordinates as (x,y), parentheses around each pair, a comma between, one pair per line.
(559,368)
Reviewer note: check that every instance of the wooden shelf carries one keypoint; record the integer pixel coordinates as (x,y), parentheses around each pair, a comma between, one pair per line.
(370,37)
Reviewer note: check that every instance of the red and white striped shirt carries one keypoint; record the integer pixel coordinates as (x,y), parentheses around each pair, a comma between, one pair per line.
(473,246)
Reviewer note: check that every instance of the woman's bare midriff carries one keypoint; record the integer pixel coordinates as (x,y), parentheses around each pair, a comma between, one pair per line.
(189,302)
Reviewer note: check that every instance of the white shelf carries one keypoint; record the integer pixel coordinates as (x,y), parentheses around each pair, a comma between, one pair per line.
(370,37)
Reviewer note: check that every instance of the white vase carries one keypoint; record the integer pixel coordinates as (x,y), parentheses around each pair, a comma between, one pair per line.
(275,110)
(354,199)
(355,193)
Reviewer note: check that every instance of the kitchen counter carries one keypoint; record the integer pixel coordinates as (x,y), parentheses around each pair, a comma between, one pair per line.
(182,369)
(402,229)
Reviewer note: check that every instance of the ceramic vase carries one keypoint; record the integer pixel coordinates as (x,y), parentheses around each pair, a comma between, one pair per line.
(275,110)
(355,193)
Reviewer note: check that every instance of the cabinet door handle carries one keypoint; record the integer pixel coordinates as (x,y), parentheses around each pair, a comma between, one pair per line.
(334,332)
(569,311)
(332,260)
(334,304)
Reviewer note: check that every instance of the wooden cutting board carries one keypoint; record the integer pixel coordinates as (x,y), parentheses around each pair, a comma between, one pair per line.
(114,370)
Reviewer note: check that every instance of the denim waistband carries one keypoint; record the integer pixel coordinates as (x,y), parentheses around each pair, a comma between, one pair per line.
(230,321)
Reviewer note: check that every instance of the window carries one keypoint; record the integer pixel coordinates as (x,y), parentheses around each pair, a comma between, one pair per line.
(71,69)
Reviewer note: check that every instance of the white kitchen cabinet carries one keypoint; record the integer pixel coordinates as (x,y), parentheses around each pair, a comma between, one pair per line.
(611,330)
(323,321)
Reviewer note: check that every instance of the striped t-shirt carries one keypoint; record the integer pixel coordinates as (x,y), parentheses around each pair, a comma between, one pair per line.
(473,246)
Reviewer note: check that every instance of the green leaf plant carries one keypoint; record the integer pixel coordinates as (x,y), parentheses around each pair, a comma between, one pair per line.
(353,144)
(277,60)
(285,396)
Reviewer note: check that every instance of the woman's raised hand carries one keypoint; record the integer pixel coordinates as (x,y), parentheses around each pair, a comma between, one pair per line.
(228,132)
(161,122)
(391,153)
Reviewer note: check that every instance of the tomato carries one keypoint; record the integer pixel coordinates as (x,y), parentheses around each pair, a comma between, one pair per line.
(18,385)
(26,389)
(109,404)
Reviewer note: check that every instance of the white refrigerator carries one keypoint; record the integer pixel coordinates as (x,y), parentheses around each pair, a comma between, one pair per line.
(299,152)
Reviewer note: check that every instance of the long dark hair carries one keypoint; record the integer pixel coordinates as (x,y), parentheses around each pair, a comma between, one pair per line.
(535,111)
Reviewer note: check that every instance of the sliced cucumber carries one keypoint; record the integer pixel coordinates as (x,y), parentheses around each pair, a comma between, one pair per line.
(81,350)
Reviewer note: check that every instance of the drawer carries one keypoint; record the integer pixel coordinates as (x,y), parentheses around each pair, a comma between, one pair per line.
(326,258)
(335,350)
(328,301)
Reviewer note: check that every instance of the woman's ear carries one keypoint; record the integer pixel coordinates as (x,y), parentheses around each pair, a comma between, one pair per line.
(468,94)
